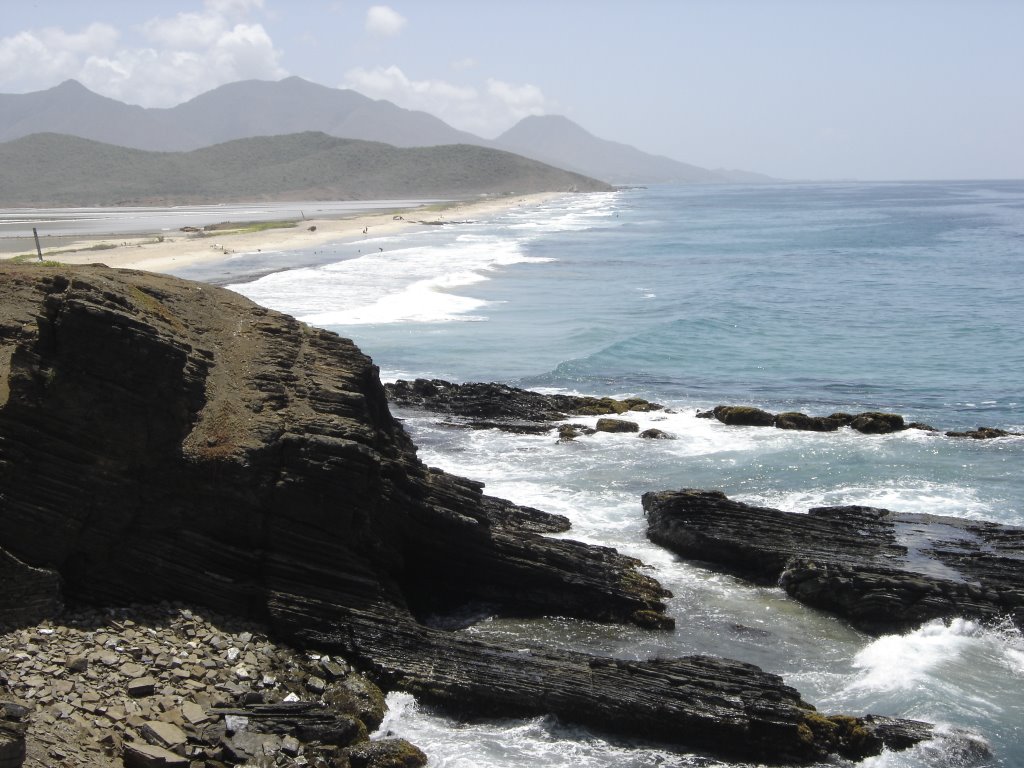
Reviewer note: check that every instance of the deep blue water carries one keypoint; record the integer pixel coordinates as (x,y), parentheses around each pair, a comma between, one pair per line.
(819,297)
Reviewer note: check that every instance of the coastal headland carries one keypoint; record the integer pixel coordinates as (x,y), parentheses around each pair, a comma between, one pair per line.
(166,440)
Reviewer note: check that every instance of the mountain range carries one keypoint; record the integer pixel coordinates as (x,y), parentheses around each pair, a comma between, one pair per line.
(48,169)
(252,108)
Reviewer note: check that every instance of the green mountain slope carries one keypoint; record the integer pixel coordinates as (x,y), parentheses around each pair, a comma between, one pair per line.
(59,170)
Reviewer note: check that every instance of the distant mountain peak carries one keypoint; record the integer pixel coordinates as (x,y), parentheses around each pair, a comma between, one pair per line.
(250,108)
(558,140)
(69,84)
(547,123)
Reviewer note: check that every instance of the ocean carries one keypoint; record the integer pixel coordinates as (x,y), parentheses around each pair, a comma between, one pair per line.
(901,297)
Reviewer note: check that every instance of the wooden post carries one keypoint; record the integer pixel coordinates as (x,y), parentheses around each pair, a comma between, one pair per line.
(38,249)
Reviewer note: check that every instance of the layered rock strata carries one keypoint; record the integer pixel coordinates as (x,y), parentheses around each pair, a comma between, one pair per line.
(884,571)
(165,440)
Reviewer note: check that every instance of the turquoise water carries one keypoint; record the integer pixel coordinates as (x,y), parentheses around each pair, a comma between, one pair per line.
(817,297)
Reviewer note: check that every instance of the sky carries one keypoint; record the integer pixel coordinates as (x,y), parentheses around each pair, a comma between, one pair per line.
(796,89)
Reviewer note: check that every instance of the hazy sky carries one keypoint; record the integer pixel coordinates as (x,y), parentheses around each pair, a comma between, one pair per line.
(799,89)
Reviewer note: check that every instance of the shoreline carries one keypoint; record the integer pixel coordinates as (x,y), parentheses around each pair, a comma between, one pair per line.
(157,252)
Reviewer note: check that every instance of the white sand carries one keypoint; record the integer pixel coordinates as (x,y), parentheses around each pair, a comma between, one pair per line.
(182,250)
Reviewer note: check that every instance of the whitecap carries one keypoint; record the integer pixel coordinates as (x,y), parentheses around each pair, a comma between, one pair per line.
(416,284)
(905,662)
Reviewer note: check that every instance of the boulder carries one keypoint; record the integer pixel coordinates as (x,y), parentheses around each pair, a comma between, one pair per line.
(141,686)
(162,734)
(656,434)
(883,571)
(743,416)
(801,421)
(386,753)
(616,425)
(137,754)
(876,423)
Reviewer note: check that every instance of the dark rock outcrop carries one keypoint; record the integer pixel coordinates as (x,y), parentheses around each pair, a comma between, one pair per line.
(868,423)
(884,571)
(502,406)
(13,725)
(871,422)
(28,594)
(161,439)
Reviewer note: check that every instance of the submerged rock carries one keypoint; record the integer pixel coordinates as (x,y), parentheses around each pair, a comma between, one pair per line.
(984,433)
(161,439)
(883,571)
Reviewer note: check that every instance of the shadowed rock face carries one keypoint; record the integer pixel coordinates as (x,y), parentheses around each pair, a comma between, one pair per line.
(161,439)
(884,571)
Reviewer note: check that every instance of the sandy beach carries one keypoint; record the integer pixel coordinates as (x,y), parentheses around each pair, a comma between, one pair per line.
(162,252)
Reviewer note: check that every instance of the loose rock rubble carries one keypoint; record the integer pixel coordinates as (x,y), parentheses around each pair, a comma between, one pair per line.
(155,686)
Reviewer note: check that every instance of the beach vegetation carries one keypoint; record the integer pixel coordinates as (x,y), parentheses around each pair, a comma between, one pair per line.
(31,258)
(244,227)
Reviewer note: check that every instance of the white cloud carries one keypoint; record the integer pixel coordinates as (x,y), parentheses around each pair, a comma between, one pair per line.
(37,59)
(384,21)
(233,8)
(520,100)
(186,30)
(485,112)
(391,83)
(186,54)
(467,63)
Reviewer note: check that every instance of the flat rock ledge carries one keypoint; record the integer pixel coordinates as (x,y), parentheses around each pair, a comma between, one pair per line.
(883,571)
(500,406)
(868,423)
(163,440)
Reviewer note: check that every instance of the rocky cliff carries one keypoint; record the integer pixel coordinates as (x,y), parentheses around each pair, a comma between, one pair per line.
(161,439)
